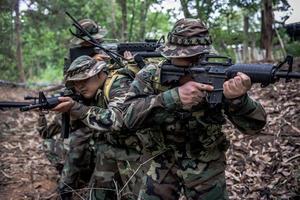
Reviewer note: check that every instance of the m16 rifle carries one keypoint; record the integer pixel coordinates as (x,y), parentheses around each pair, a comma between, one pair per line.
(43,103)
(216,73)
(140,50)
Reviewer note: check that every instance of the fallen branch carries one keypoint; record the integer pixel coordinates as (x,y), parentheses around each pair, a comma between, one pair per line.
(292,158)
(290,124)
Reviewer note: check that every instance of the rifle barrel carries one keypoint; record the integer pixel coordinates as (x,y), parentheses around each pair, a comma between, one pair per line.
(285,74)
(12,104)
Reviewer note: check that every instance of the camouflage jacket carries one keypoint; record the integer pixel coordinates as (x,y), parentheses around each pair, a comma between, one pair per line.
(102,114)
(48,131)
(194,133)
(105,114)
(50,128)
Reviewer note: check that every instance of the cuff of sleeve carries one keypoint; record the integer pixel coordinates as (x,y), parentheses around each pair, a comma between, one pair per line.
(131,62)
(171,99)
(78,111)
(240,106)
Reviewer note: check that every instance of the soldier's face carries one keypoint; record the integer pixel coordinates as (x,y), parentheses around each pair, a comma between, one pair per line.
(88,87)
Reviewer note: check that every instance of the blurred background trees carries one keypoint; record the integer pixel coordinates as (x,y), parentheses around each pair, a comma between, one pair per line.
(35,33)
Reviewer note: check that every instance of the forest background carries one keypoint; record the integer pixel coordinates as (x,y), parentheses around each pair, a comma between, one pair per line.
(34,34)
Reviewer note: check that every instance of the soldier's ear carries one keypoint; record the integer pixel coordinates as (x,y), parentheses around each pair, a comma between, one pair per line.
(102,74)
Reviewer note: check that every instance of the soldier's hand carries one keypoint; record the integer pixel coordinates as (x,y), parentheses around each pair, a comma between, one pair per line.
(128,55)
(192,93)
(237,86)
(65,106)
(101,57)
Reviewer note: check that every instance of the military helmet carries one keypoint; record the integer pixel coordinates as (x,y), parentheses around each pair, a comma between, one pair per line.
(83,68)
(189,37)
(90,26)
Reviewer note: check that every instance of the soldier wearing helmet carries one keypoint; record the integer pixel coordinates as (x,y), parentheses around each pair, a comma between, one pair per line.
(103,90)
(182,133)
(57,151)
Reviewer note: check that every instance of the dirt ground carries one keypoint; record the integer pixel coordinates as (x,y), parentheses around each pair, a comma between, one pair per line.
(262,166)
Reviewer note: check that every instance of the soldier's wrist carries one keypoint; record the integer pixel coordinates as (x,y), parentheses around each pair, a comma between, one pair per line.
(242,106)
(171,99)
(78,110)
(236,104)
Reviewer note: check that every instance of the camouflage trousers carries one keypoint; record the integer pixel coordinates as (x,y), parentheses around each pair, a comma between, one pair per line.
(56,152)
(79,163)
(117,172)
(171,178)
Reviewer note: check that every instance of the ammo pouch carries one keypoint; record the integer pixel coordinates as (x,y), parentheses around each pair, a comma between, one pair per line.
(108,151)
(124,140)
(152,139)
(206,140)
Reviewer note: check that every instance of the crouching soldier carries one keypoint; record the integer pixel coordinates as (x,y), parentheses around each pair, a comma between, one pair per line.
(103,91)
(185,134)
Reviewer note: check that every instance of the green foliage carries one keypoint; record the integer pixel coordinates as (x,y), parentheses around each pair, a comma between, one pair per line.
(50,74)
(45,32)
(293,48)
(45,28)
(158,25)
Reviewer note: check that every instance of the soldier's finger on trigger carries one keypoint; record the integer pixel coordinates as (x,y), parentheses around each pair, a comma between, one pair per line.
(62,105)
(63,99)
(204,87)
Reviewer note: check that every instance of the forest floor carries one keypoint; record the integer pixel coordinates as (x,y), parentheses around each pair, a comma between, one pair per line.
(262,166)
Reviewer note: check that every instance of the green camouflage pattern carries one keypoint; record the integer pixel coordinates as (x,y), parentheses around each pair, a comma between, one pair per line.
(82,68)
(117,157)
(79,163)
(72,157)
(189,37)
(52,145)
(184,178)
(190,144)
(81,158)
(96,31)
(117,151)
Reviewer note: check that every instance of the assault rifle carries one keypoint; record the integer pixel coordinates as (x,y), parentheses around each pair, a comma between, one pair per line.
(112,50)
(140,50)
(216,73)
(43,103)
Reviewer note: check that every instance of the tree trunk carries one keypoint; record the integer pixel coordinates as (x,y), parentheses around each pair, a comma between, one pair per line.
(185,9)
(204,10)
(113,20)
(280,42)
(143,18)
(252,57)
(131,21)
(124,33)
(267,32)
(246,41)
(19,42)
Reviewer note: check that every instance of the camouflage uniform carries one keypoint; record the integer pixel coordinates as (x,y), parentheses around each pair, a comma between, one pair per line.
(116,151)
(187,147)
(94,29)
(77,164)
(52,144)
(54,147)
